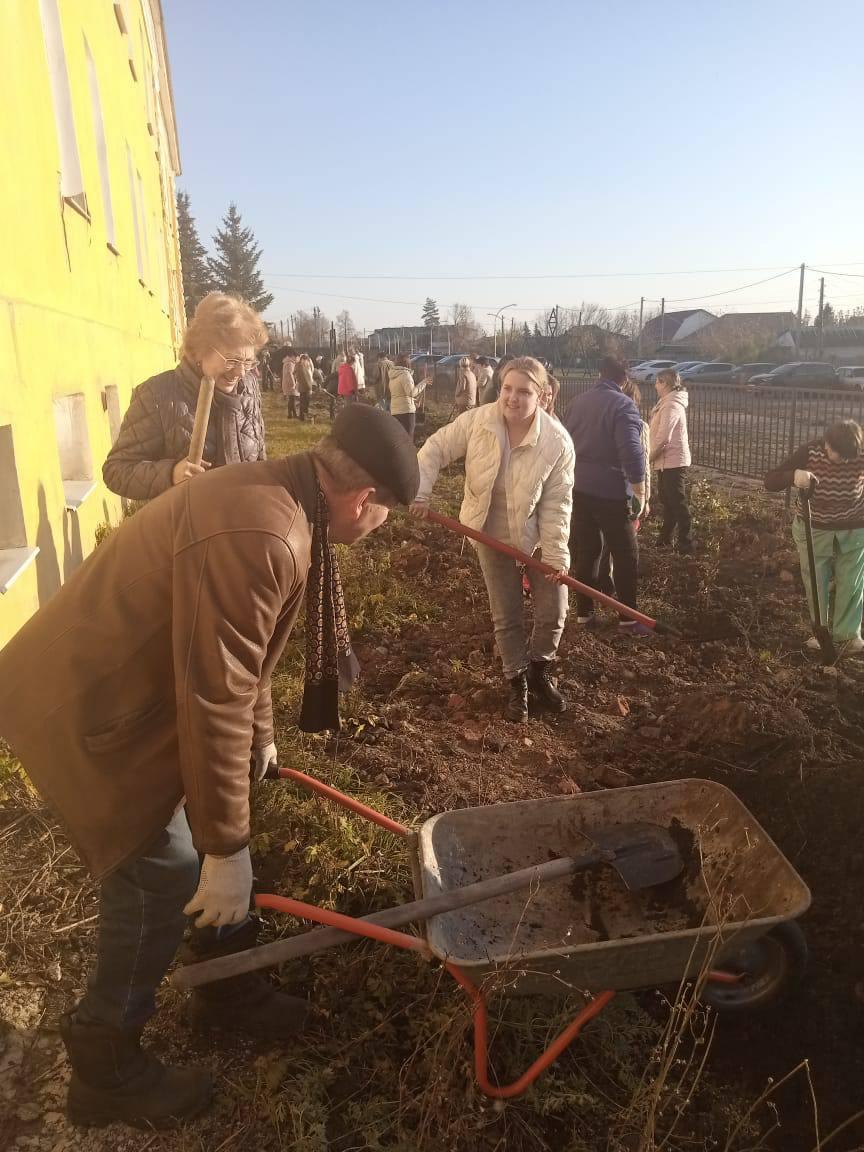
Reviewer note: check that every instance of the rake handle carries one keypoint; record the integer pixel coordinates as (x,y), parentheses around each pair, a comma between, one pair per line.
(321,938)
(202,418)
(529,561)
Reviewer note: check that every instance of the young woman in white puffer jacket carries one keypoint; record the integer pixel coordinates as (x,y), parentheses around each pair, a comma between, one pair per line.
(519,489)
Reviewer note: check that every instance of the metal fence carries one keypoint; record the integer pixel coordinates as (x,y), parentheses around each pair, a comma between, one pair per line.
(746,431)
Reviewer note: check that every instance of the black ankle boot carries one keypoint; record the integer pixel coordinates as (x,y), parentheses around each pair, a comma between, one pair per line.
(516,708)
(114,1080)
(542,685)
(248,1003)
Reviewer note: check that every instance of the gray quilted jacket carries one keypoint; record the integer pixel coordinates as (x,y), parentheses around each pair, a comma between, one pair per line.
(157,430)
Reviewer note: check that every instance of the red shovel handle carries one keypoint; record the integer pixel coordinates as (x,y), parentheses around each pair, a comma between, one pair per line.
(547,569)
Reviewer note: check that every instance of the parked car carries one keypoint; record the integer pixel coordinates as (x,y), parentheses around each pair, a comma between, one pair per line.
(683,365)
(798,374)
(743,372)
(852,378)
(715,372)
(445,373)
(422,362)
(645,372)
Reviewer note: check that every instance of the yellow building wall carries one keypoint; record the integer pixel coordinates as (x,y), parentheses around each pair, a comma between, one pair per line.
(75,318)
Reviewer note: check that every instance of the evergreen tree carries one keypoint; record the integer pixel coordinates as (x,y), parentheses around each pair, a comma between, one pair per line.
(235,266)
(430,313)
(197,281)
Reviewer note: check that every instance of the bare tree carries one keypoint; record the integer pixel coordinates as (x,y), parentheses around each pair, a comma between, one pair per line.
(467,330)
(310,328)
(345,329)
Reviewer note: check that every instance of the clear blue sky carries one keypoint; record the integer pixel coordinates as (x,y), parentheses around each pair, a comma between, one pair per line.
(396,139)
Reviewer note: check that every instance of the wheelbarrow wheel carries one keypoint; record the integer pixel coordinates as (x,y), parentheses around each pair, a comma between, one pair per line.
(770,967)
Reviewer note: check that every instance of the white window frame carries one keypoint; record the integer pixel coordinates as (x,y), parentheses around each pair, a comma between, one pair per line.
(101,149)
(71,178)
(73,447)
(15,555)
(133,193)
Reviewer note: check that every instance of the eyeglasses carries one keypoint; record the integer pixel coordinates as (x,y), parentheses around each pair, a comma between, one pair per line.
(231,362)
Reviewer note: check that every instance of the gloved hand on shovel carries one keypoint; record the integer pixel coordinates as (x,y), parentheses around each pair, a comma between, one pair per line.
(637,501)
(262,759)
(804,479)
(223,892)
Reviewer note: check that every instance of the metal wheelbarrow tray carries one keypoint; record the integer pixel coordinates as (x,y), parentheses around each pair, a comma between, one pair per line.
(588,931)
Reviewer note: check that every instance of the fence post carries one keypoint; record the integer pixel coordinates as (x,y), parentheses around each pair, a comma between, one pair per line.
(792,440)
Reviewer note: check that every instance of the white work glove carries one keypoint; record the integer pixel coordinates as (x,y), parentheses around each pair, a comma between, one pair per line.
(262,758)
(803,479)
(223,890)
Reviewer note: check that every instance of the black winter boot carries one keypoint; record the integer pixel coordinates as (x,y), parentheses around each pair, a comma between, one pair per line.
(114,1080)
(516,708)
(248,1003)
(544,686)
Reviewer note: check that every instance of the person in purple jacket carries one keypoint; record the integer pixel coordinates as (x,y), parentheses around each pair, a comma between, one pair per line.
(609,486)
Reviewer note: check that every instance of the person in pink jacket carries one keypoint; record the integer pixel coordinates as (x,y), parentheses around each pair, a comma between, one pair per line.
(670,456)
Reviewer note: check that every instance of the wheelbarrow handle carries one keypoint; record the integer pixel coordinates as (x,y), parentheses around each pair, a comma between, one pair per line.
(319,939)
(530,562)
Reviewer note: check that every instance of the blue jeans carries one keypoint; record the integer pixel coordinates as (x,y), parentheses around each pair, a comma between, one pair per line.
(141,926)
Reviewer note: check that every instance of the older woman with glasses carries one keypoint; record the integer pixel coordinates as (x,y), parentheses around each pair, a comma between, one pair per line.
(151,450)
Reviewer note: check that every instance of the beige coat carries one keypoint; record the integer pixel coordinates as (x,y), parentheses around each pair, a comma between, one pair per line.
(146,678)
(539,480)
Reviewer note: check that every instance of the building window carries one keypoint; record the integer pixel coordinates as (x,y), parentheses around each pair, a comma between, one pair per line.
(145,242)
(112,408)
(73,444)
(71,180)
(101,148)
(133,194)
(14,553)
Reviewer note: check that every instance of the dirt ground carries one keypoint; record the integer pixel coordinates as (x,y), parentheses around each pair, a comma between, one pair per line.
(735,700)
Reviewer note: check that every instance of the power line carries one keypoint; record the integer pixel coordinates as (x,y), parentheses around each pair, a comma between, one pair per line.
(821,271)
(540,276)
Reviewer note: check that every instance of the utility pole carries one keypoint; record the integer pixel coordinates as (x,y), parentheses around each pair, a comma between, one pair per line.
(821,316)
(503,337)
(281,330)
(800,310)
(662,318)
(316,312)
(639,334)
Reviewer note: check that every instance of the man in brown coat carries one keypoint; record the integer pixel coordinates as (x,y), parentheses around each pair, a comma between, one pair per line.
(138,697)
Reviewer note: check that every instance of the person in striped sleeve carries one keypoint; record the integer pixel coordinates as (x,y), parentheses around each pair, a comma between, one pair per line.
(836,464)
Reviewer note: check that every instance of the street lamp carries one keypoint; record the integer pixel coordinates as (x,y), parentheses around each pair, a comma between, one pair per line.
(503,334)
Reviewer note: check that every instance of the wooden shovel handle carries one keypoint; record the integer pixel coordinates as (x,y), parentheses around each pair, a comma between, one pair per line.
(202,417)
(321,938)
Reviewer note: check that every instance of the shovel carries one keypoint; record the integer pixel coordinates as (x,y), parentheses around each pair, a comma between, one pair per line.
(531,562)
(644,855)
(202,417)
(820,626)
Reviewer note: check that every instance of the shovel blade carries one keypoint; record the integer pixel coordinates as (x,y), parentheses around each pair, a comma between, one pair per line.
(644,855)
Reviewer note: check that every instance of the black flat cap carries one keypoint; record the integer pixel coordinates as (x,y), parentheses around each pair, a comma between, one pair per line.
(380,445)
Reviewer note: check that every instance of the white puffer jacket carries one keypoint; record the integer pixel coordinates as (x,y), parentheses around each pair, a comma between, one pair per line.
(539,480)
(670,445)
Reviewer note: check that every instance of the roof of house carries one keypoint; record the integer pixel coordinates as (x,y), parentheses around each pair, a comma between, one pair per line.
(671,322)
(748,322)
(834,336)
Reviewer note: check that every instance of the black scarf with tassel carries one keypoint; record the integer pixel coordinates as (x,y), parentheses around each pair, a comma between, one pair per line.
(331,666)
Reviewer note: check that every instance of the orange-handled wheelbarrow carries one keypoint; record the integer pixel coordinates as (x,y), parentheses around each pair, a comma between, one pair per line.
(722,904)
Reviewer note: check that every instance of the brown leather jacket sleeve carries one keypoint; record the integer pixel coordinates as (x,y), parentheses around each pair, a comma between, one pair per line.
(230,591)
(136,466)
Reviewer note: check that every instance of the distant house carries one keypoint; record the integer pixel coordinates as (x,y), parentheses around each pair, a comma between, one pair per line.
(674,328)
(839,343)
(741,335)
(440,339)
